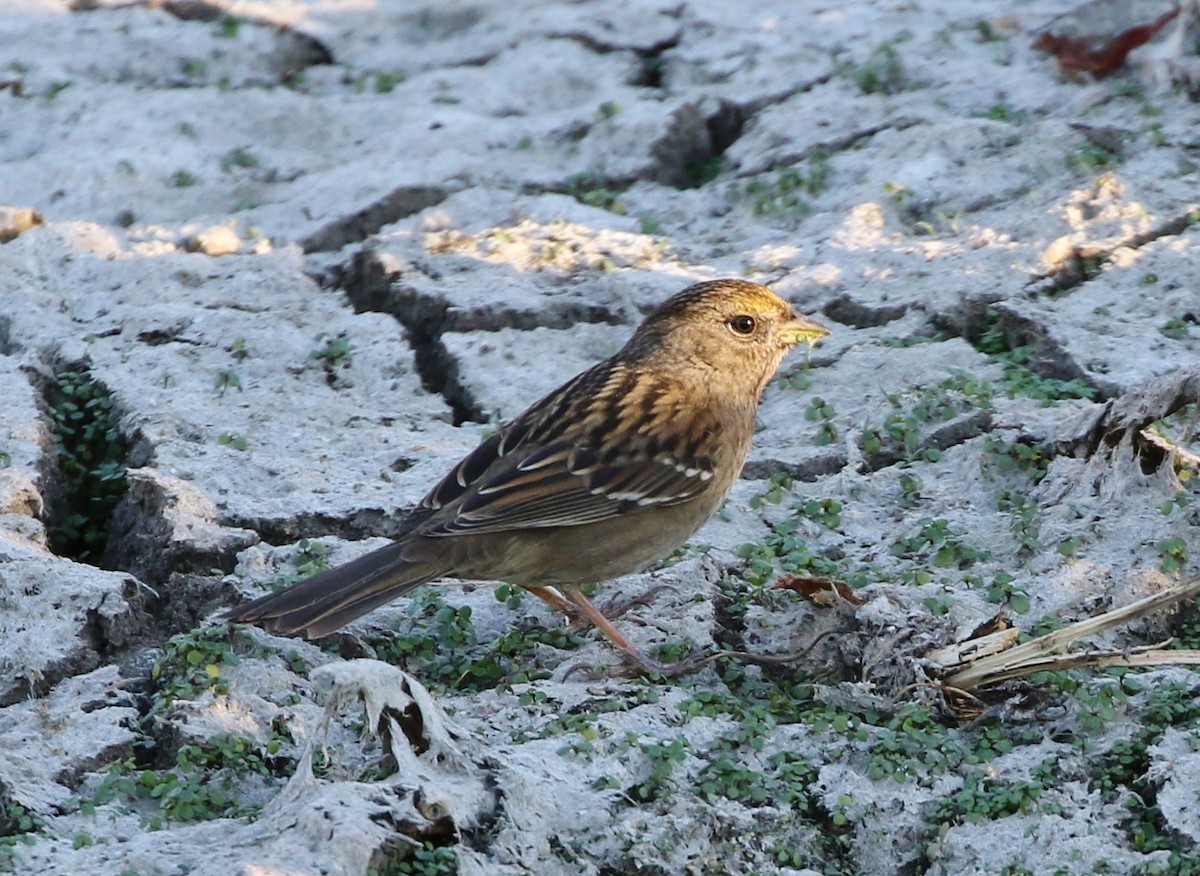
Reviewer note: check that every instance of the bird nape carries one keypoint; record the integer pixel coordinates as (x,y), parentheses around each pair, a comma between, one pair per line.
(603,477)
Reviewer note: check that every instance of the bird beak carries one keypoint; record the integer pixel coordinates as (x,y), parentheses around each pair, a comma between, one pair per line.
(801,328)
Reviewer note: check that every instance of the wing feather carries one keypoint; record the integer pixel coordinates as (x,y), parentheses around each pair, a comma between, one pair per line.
(548,469)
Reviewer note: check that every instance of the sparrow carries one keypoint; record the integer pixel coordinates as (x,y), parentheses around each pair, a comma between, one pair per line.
(605,476)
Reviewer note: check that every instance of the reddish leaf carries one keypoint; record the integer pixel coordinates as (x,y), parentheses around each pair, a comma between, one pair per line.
(994,624)
(821,591)
(1097,37)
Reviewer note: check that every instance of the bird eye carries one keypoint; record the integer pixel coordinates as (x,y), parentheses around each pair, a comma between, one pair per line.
(743,324)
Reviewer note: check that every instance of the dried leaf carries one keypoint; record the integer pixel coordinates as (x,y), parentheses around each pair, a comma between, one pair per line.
(1096,37)
(825,592)
(994,624)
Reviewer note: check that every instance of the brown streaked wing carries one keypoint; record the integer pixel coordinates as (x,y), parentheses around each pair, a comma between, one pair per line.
(529,427)
(551,468)
(555,491)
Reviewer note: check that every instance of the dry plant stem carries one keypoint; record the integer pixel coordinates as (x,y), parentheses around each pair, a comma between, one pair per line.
(1150,656)
(942,688)
(963,654)
(1042,654)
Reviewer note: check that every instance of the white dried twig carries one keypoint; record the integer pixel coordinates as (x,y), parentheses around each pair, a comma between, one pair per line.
(977,663)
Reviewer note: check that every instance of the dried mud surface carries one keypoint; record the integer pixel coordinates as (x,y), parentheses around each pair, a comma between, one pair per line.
(282,263)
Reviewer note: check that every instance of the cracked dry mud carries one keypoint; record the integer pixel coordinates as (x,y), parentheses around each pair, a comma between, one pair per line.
(292,259)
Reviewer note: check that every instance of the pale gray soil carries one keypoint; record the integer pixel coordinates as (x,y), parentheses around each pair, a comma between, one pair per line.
(310,252)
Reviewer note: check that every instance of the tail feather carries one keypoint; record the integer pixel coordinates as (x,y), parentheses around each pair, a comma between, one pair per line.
(330,600)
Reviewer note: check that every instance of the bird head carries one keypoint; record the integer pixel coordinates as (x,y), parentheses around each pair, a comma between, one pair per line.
(733,330)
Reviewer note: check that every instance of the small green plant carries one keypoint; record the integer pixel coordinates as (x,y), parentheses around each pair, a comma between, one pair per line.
(592,188)
(827,512)
(1177,863)
(911,486)
(1175,328)
(182,179)
(335,355)
(1122,771)
(228,27)
(649,225)
(1090,156)
(227,378)
(193,68)
(785,782)
(701,171)
(916,407)
(883,71)
(663,757)
(1069,546)
(1172,553)
(1024,521)
(607,110)
(510,595)
(54,89)
(1019,373)
(200,786)
(783,551)
(1002,457)
(240,157)
(934,536)
(798,379)
(986,32)
(441,643)
(983,799)
(1179,500)
(385,83)
(899,433)
(15,819)
(1004,112)
(192,664)
(777,486)
(91,458)
(232,440)
(783,196)
(821,412)
(309,558)
(429,860)
(1001,591)
(1016,869)
(898,193)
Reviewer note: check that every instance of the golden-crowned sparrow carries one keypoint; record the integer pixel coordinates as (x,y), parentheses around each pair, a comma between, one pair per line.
(607,474)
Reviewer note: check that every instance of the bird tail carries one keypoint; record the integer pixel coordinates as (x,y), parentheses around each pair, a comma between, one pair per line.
(328,601)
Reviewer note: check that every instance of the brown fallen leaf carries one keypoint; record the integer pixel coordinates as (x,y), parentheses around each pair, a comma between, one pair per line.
(995,624)
(819,590)
(1097,36)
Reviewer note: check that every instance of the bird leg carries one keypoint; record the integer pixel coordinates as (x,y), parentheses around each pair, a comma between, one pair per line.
(556,600)
(611,610)
(636,662)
